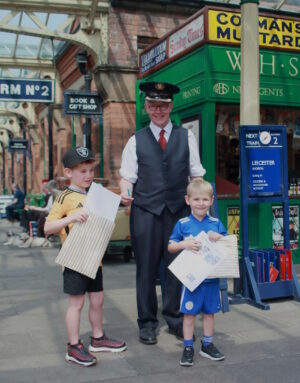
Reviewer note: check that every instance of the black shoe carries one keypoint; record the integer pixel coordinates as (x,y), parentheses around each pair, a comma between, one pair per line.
(147,335)
(178,332)
(187,358)
(211,352)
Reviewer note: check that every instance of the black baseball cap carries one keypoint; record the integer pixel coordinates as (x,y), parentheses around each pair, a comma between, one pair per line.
(159,91)
(75,156)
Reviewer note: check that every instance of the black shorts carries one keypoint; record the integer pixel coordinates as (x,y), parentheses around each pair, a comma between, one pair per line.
(79,284)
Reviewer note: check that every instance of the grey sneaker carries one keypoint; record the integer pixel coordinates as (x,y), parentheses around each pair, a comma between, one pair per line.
(211,352)
(106,344)
(79,354)
(187,358)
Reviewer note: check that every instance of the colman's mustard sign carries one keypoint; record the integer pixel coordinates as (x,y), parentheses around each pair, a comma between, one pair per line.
(225,27)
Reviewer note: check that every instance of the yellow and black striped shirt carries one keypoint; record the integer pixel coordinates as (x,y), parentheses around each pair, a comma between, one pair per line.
(65,204)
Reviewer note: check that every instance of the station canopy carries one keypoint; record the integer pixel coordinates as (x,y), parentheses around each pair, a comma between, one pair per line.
(30,30)
(28,55)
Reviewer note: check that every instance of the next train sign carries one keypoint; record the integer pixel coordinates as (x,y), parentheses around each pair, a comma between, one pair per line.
(263,158)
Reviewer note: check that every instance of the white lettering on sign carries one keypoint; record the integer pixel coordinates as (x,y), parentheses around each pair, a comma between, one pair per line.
(191,92)
(187,36)
(153,53)
(276,92)
(263,162)
(268,65)
(251,135)
(10,89)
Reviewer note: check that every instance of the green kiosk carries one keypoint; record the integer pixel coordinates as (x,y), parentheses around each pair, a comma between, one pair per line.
(203,58)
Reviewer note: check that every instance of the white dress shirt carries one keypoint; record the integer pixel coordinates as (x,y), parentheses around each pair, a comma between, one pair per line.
(129,165)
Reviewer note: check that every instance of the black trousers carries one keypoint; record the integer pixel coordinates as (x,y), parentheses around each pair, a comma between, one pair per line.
(34,215)
(11,212)
(150,236)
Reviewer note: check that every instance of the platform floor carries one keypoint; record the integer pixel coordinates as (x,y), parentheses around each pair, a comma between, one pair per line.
(260,346)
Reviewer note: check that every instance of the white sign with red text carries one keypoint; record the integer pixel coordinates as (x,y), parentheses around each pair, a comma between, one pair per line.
(187,36)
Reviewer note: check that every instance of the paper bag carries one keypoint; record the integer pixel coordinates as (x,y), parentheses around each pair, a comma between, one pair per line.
(85,245)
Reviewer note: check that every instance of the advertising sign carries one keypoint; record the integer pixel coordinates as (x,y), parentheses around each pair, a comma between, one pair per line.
(26,90)
(264,150)
(186,37)
(274,32)
(17,145)
(153,57)
(233,221)
(82,103)
(277,227)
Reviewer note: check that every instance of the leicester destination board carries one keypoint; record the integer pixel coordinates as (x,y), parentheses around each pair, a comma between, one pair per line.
(264,158)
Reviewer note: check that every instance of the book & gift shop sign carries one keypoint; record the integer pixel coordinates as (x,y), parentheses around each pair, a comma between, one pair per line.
(82,103)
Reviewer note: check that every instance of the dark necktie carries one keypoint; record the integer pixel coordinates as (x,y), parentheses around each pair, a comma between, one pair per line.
(162,140)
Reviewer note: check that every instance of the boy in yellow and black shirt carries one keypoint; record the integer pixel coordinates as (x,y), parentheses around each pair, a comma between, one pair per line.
(67,209)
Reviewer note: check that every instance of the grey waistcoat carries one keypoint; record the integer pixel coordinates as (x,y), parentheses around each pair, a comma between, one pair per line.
(162,175)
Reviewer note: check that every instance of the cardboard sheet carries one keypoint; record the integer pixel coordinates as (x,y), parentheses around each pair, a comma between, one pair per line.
(213,260)
(86,244)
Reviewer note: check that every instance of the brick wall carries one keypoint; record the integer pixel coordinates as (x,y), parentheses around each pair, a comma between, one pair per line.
(125,26)
(119,125)
(119,118)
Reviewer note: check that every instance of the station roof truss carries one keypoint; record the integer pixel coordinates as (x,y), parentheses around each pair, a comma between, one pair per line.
(32,33)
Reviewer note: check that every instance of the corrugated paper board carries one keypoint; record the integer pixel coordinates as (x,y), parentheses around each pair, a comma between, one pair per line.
(85,245)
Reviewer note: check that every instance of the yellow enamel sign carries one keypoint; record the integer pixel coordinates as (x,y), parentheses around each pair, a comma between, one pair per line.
(225,27)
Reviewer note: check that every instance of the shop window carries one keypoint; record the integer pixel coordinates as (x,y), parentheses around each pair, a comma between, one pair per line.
(227,149)
(227,144)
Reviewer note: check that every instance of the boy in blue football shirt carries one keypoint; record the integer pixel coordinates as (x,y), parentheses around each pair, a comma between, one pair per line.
(205,298)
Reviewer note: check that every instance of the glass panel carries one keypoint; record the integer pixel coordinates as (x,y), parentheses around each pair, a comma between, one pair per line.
(27,22)
(28,46)
(7,46)
(55,20)
(15,20)
(46,49)
(13,72)
(41,16)
(27,73)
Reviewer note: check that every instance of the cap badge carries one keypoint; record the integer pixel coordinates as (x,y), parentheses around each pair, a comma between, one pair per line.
(83,152)
(159,86)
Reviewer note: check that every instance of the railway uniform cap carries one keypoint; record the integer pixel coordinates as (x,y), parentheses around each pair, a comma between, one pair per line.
(159,91)
(75,156)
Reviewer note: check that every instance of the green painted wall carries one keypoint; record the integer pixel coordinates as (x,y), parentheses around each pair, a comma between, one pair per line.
(211,75)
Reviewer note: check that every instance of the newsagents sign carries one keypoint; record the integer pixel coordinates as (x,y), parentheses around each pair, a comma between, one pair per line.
(82,103)
(26,90)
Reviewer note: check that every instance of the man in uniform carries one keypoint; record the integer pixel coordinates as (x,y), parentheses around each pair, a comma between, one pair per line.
(156,165)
